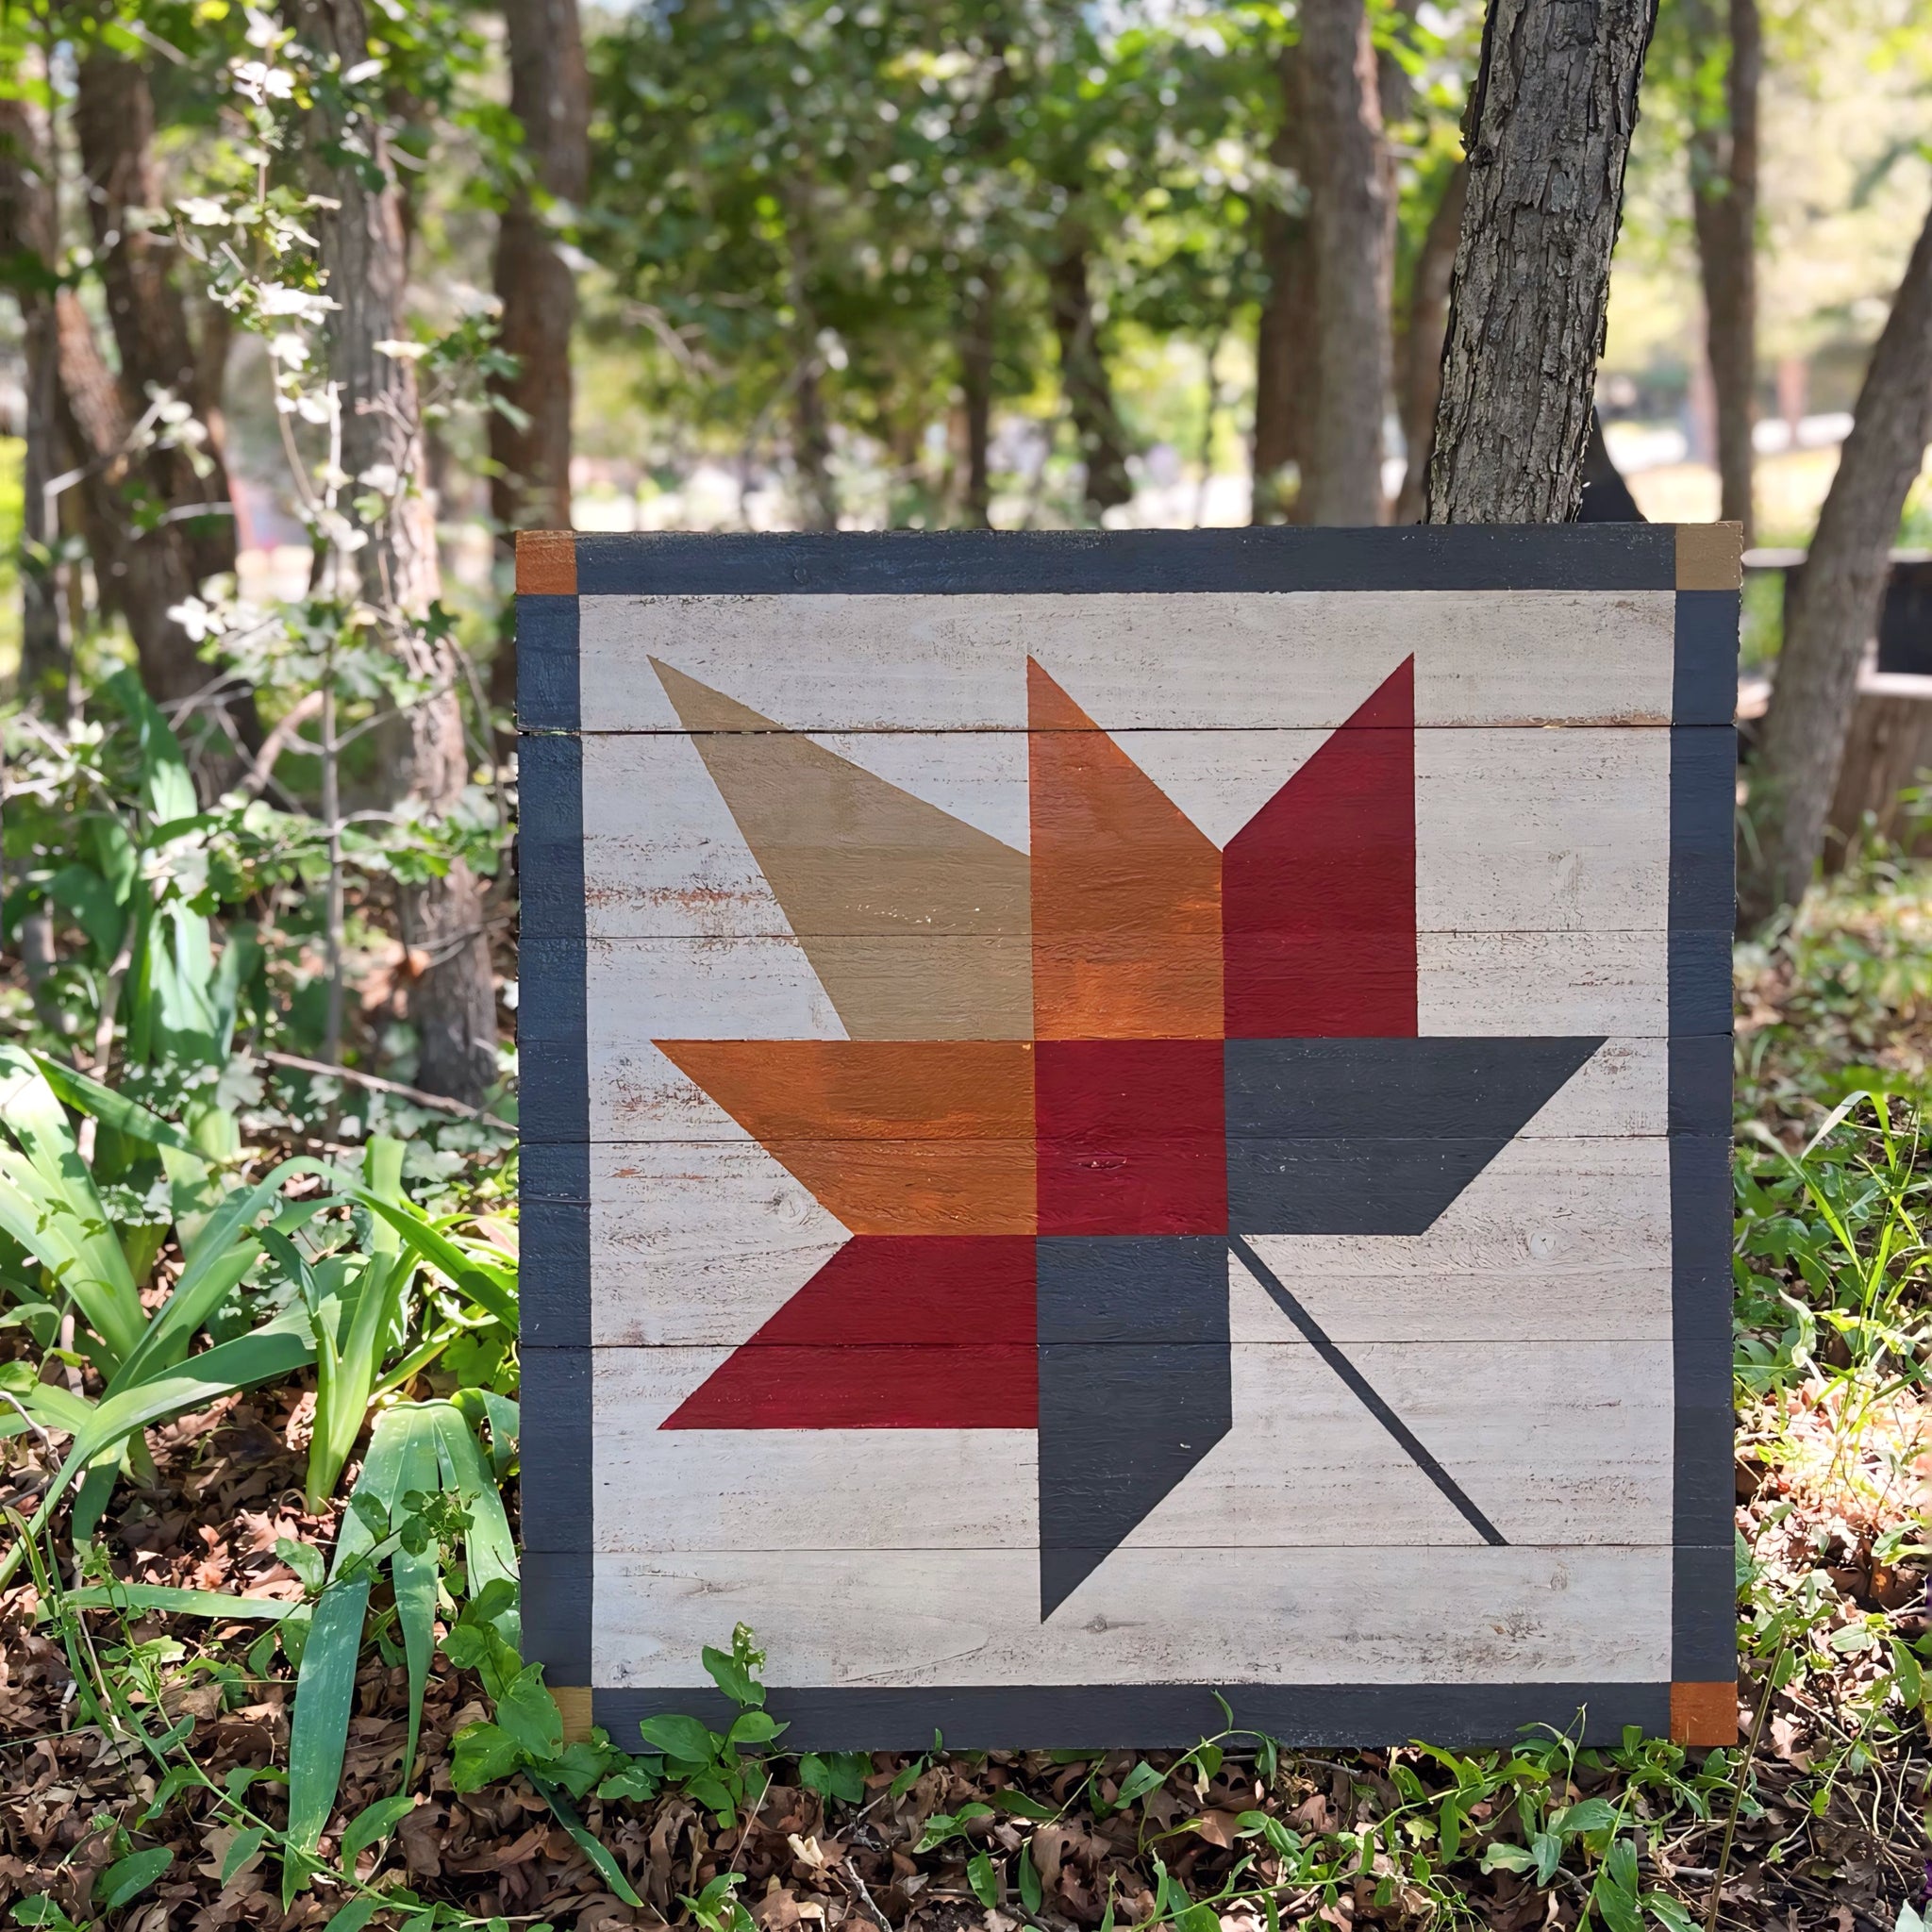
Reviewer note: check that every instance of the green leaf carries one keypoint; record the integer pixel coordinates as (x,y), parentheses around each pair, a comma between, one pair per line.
(633,1782)
(373,1822)
(1030,1893)
(1591,1814)
(1614,1895)
(1507,1858)
(529,1714)
(983,1881)
(214,1604)
(611,1872)
(1547,1849)
(356,1914)
(1669,1913)
(241,1847)
(835,1773)
(753,1727)
(325,1694)
(732,1677)
(675,1735)
(480,1753)
(1139,1782)
(127,1877)
(42,1910)
(1021,1806)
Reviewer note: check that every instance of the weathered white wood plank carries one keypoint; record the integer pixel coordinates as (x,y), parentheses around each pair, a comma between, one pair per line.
(1304,659)
(641,991)
(1578,1453)
(1346,1616)
(700,1242)
(1516,831)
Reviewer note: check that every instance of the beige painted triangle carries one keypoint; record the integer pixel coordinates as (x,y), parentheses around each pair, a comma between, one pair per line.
(917,924)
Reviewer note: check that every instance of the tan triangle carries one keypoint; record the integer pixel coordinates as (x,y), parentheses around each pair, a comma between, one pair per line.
(917,924)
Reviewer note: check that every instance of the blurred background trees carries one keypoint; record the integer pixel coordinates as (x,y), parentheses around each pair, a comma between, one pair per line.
(310,309)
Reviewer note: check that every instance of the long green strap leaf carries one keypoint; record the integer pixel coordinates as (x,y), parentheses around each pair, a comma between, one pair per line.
(177,1603)
(491,1288)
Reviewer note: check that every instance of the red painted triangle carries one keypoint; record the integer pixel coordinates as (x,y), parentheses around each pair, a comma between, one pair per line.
(894,1332)
(1318,888)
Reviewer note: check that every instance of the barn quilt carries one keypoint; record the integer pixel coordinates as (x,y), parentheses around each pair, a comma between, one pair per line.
(1113,1120)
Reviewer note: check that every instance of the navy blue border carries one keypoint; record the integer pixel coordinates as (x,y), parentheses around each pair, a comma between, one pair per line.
(556,1469)
(924,563)
(554,1167)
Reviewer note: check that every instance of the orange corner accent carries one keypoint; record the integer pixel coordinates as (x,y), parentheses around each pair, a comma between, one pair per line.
(1711,557)
(547,563)
(1126,890)
(1704,1713)
(893,1136)
(574,1706)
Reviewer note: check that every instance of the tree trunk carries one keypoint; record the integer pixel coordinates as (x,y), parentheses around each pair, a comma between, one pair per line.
(27,240)
(1724,197)
(114,120)
(1834,609)
(1351,235)
(550,96)
(1084,381)
(454,1003)
(1285,332)
(1547,135)
(1419,386)
(980,309)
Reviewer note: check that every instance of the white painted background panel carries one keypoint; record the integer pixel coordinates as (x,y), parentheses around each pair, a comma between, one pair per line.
(1458,1615)
(1303,659)
(701,1242)
(1555,1442)
(1516,831)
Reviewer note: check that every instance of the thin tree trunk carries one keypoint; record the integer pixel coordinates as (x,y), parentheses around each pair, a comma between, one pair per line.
(1084,380)
(114,120)
(981,309)
(1419,384)
(1285,332)
(550,96)
(454,1003)
(28,239)
(1547,136)
(1834,607)
(1723,197)
(1351,204)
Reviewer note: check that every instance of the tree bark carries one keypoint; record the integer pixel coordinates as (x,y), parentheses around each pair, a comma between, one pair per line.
(1351,235)
(981,313)
(1286,328)
(1547,136)
(114,122)
(1419,386)
(27,240)
(454,1003)
(550,96)
(1085,383)
(1834,609)
(1723,198)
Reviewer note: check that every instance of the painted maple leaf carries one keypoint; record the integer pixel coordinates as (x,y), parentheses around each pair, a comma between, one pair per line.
(1104,1064)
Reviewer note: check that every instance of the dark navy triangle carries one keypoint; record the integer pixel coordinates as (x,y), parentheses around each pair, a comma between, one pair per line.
(1134,1388)
(1377,1136)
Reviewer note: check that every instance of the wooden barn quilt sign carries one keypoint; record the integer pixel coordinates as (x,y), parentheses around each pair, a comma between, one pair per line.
(1115,1118)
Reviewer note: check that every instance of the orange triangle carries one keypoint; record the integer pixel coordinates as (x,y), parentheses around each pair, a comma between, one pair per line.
(1126,891)
(893,1136)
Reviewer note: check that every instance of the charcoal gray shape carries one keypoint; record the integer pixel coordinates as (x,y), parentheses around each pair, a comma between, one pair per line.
(1377,1136)
(1323,1137)
(1134,1387)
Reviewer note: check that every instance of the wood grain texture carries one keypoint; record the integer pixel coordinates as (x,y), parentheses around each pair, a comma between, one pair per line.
(700,1242)
(1190,661)
(1516,830)
(935,1617)
(1580,1454)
